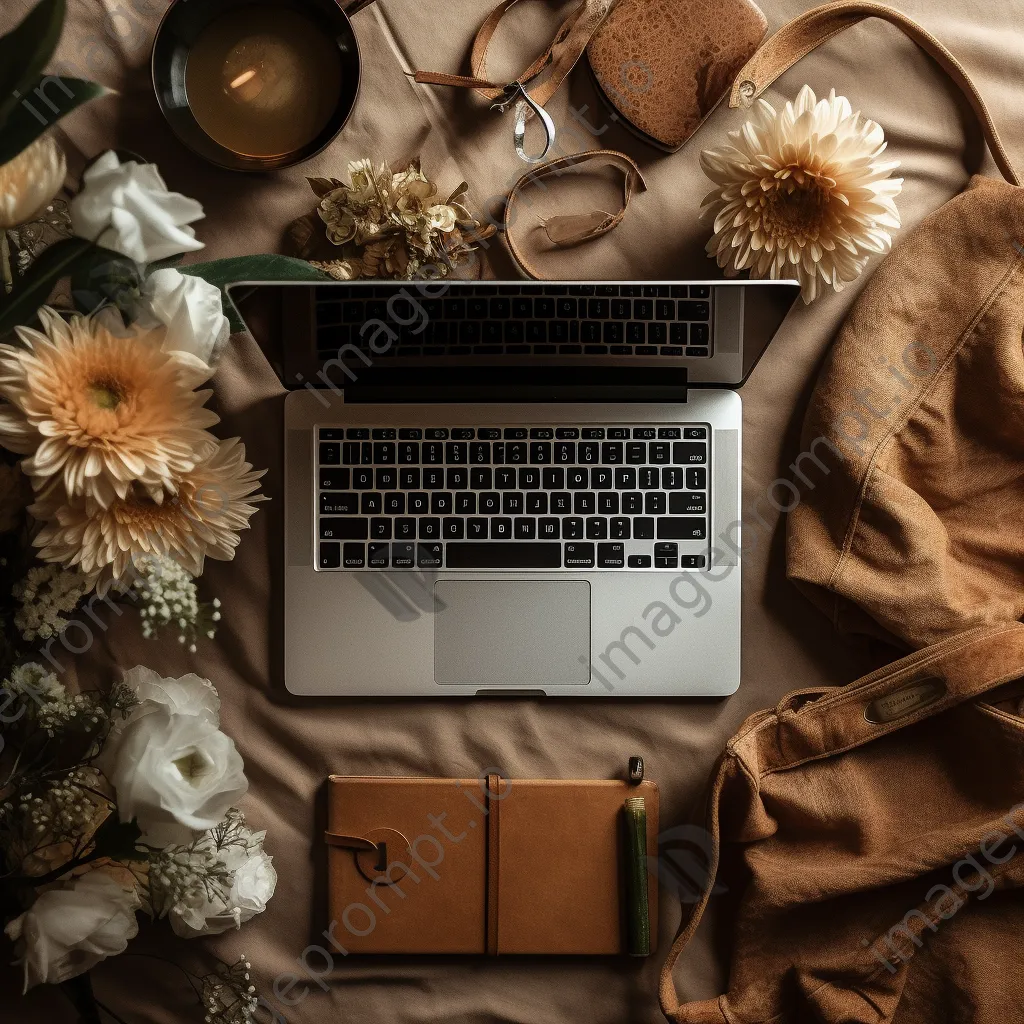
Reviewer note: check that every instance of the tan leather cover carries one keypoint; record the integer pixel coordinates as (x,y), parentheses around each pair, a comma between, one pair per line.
(666,64)
(527,867)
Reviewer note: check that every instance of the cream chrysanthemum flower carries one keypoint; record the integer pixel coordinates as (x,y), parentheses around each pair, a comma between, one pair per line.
(215,501)
(102,411)
(29,182)
(803,194)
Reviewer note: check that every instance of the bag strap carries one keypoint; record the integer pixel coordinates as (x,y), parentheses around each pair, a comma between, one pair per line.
(967,665)
(816,26)
(571,229)
(570,43)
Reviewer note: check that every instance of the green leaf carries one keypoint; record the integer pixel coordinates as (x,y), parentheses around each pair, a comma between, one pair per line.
(262,269)
(26,50)
(117,840)
(29,120)
(105,277)
(60,260)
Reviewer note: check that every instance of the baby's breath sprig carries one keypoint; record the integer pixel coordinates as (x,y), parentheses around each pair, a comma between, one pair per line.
(168,598)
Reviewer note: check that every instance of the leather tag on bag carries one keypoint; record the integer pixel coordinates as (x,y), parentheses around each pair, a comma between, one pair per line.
(905,701)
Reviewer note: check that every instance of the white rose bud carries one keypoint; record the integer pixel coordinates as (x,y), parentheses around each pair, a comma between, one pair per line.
(172,768)
(69,930)
(128,208)
(191,309)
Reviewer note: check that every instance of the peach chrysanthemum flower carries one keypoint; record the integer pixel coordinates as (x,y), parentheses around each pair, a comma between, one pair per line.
(805,193)
(103,411)
(215,501)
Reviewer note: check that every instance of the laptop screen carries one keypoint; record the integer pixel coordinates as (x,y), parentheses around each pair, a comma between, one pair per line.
(356,335)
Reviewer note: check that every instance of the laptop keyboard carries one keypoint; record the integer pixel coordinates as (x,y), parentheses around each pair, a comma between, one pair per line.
(513,498)
(526,320)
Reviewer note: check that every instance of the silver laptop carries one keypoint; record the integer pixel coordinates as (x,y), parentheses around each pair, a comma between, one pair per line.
(517,488)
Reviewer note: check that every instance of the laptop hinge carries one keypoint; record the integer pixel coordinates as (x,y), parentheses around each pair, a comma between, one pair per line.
(600,384)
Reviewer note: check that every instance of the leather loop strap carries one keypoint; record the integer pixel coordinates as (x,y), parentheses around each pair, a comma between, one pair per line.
(816,26)
(569,230)
(493,860)
(570,43)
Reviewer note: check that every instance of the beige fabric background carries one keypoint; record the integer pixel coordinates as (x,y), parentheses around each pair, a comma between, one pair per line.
(290,746)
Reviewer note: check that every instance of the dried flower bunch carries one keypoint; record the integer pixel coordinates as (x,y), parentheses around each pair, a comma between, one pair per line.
(392,225)
(805,193)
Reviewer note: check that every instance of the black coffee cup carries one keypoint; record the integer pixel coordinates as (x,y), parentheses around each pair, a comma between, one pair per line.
(186,22)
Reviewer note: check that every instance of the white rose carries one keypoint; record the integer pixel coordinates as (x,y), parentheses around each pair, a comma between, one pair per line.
(189,695)
(127,208)
(191,309)
(172,768)
(69,930)
(254,882)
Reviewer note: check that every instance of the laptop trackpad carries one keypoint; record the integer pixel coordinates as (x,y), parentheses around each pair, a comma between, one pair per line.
(511,633)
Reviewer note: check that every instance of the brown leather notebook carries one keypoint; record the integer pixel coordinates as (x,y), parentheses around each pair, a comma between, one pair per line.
(490,866)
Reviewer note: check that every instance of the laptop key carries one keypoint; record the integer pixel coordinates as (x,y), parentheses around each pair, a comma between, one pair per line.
(689,453)
(601,478)
(643,529)
(428,556)
(666,556)
(453,528)
(611,556)
(465,503)
(529,478)
(513,555)
(554,479)
(505,478)
(658,452)
(639,561)
(648,477)
(335,479)
(490,502)
(362,479)
(512,503)
(442,503)
(608,503)
(687,504)
(549,528)
(378,556)
(476,528)
(419,503)
(501,528)
(403,556)
(456,479)
(672,478)
(682,528)
(371,503)
(481,479)
(697,479)
(330,555)
(353,556)
(537,503)
(344,529)
(584,503)
(625,479)
(330,453)
(619,528)
(405,529)
(633,502)
(579,556)
(339,504)
(654,503)
(409,479)
(572,528)
(597,528)
(636,453)
(561,502)
(380,529)
(386,479)
(695,433)
(526,528)
(430,528)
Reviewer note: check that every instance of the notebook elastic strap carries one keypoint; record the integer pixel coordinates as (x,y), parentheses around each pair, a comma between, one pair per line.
(810,30)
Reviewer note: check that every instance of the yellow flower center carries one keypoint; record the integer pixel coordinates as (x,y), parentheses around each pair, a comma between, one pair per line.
(106,394)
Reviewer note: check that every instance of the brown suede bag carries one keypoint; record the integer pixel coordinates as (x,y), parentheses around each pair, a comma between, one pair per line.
(908,520)
(869,837)
(874,835)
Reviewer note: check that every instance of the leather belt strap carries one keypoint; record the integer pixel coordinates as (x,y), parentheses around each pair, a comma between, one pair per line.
(493,860)
(570,43)
(568,230)
(820,24)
